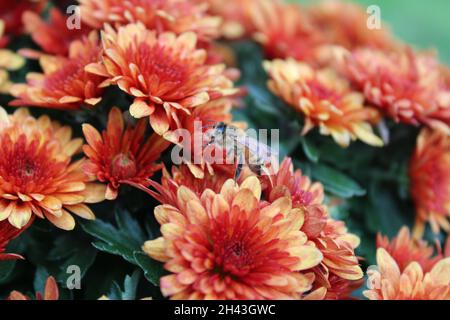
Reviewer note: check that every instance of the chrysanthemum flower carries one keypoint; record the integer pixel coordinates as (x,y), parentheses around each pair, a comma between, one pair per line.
(8,233)
(37,175)
(430,181)
(183,176)
(166,74)
(176,16)
(232,245)
(54,37)
(51,292)
(11,12)
(345,23)
(408,87)
(404,250)
(8,61)
(236,15)
(64,84)
(284,31)
(325,100)
(390,283)
(339,271)
(121,154)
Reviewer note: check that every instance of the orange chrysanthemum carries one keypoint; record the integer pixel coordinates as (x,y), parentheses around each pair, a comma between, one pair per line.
(346,24)
(120,155)
(54,37)
(176,16)
(37,175)
(8,233)
(8,61)
(232,245)
(166,74)
(409,88)
(430,181)
(64,84)
(404,250)
(51,292)
(339,271)
(11,12)
(390,283)
(285,31)
(325,100)
(236,15)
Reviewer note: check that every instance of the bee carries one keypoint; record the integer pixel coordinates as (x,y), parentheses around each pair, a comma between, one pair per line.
(242,148)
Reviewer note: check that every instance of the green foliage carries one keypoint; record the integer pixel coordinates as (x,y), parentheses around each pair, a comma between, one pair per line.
(124,240)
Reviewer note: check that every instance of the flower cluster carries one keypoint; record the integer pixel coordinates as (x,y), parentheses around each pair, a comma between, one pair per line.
(133,72)
(407,270)
(223,239)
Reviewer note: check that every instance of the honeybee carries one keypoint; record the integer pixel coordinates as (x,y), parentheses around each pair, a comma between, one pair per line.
(242,148)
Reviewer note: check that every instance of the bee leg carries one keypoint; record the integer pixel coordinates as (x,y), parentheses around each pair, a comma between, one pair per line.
(238,171)
(240,165)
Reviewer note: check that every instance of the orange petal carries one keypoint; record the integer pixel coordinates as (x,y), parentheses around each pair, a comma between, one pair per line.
(65,221)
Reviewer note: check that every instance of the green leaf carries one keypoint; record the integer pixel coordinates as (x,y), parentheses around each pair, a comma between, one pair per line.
(334,181)
(125,240)
(6,270)
(130,288)
(310,150)
(153,270)
(83,258)
(40,278)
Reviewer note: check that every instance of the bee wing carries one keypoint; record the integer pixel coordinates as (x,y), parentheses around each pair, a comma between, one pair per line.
(261,150)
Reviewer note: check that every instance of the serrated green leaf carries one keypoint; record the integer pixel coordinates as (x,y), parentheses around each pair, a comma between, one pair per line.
(153,270)
(129,288)
(334,181)
(114,240)
(83,258)
(125,241)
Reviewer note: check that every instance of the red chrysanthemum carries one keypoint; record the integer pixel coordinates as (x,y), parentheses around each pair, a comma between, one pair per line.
(8,61)
(346,24)
(122,154)
(233,245)
(8,233)
(326,101)
(176,16)
(285,31)
(408,87)
(51,292)
(404,250)
(54,36)
(236,14)
(11,13)
(430,181)
(329,236)
(64,84)
(166,74)
(389,282)
(37,175)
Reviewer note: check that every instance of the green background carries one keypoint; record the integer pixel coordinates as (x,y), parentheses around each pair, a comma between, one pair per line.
(421,23)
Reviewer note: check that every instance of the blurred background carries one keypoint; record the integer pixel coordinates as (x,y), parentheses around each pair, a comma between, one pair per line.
(423,24)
